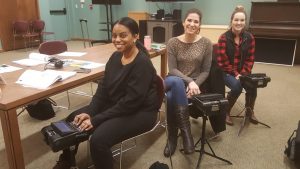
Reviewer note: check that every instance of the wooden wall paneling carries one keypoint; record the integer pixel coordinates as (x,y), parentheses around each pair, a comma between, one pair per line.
(27,9)
(15,10)
(7,14)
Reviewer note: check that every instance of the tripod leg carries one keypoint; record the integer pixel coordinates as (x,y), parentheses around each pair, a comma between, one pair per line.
(202,141)
(263,124)
(82,33)
(199,159)
(72,157)
(245,119)
(214,154)
(197,142)
(219,158)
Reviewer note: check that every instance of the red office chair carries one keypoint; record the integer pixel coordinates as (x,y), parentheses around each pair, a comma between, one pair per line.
(56,47)
(21,29)
(53,47)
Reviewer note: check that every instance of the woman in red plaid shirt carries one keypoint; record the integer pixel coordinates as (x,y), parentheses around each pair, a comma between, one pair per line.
(236,57)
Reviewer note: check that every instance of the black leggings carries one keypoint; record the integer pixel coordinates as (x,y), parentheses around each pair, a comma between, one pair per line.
(113,131)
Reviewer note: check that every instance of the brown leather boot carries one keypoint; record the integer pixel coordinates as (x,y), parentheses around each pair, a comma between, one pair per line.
(172,136)
(184,125)
(249,104)
(231,101)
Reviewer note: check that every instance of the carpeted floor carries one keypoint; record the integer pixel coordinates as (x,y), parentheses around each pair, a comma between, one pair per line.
(257,147)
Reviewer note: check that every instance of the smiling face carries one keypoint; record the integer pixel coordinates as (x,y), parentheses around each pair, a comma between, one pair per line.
(238,22)
(122,38)
(192,24)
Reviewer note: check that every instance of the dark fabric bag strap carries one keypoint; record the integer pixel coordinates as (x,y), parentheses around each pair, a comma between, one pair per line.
(52,101)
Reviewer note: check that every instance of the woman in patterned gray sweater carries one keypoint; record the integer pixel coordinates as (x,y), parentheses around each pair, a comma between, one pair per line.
(189,61)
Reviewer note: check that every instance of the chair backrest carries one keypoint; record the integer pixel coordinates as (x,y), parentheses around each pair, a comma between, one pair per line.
(20,27)
(53,47)
(38,26)
(160,89)
(214,52)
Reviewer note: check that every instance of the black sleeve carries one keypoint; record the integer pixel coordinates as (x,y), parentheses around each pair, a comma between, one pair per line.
(139,83)
(99,100)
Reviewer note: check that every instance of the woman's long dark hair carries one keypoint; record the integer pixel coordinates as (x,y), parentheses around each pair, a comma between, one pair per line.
(134,30)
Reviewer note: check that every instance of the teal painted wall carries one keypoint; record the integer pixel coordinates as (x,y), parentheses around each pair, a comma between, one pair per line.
(215,12)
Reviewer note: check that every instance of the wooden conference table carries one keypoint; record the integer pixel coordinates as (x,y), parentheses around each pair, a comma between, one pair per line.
(14,96)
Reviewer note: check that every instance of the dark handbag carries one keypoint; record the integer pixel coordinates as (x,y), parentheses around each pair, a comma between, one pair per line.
(42,110)
(292,150)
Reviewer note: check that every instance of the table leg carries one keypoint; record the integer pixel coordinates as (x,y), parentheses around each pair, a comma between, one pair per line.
(163,65)
(11,134)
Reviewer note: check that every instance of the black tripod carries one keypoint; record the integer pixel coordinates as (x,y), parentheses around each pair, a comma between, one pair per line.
(247,117)
(203,140)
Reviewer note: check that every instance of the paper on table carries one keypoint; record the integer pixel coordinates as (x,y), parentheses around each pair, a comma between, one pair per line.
(82,63)
(74,54)
(42,79)
(33,60)
(39,56)
(7,68)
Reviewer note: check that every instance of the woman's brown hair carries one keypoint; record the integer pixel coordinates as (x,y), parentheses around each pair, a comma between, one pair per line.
(238,9)
(193,10)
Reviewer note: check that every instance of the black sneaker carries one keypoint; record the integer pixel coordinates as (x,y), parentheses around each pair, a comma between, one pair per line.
(62,163)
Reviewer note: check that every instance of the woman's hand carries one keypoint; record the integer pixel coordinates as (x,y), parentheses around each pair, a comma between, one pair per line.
(83,121)
(86,125)
(192,89)
(238,77)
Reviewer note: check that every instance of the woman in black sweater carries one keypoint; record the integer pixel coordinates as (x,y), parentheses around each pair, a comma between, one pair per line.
(126,103)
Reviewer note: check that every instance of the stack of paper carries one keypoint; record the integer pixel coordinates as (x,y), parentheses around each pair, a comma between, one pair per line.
(33,59)
(72,54)
(42,79)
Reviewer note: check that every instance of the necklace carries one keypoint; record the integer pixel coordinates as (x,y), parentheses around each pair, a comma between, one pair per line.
(190,39)
(126,60)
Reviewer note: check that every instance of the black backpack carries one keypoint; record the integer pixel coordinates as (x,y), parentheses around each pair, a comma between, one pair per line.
(42,110)
(158,165)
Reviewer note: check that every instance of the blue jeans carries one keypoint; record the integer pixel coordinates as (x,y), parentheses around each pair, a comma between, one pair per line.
(236,86)
(176,94)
